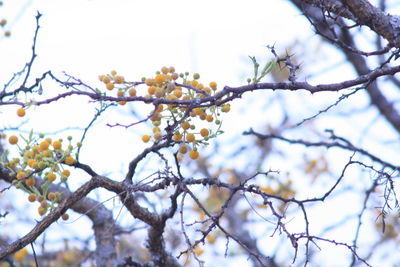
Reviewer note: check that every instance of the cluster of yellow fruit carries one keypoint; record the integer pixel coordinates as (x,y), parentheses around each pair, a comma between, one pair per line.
(168,84)
(41,157)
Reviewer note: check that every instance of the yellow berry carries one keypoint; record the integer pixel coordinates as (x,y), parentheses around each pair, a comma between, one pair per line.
(120,93)
(164,70)
(177,93)
(198,251)
(109,86)
(44,145)
(21,254)
(226,108)
(204,132)
(194,154)
(121,103)
(42,210)
(151,90)
(32,197)
(51,177)
(190,138)
(113,72)
(195,83)
(213,85)
(209,118)
(119,79)
(146,138)
(185,125)
(57,144)
(21,175)
(106,79)
(149,81)
(132,92)
(31,162)
(69,160)
(183,149)
(30,181)
(177,137)
(21,112)
(51,196)
(13,139)
(211,238)
(66,173)
(196,76)
(159,79)
(198,111)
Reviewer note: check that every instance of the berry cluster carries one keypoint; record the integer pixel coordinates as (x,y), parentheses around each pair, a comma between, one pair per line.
(41,157)
(188,132)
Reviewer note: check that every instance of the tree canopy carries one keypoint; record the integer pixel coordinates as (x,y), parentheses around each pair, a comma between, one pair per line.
(293,167)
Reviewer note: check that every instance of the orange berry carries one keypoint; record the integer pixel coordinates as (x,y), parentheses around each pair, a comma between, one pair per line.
(195,83)
(198,251)
(185,125)
(204,132)
(31,162)
(44,145)
(159,92)
(164,70)
(194,154)
(177,93)
(160,108)
(213,85)
(57,144)
(121,103)
(109,86)
(21,112)
(119,79)
(226,108)
(66,173)
(209,118)
(159,79)
(106,79)
(211,238)
(190,138)
(132,92)
(69,160)
(65,216)
(151,90)
(32,197)
(21,175)
(47,153)
(113,72)
(13,139)
(149,81)
(42,210)
(51,177)
(30,181)
(177,137)
(51,196)
(21,254)
(198,111)
(146,138)
(183,149)
(120,93)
